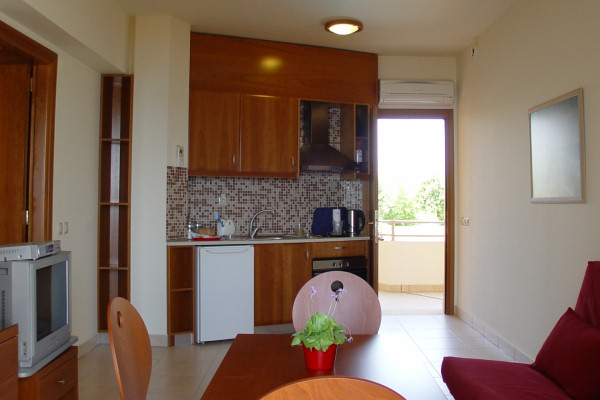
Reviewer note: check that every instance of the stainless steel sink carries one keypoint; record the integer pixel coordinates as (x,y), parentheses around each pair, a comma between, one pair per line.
(270,237)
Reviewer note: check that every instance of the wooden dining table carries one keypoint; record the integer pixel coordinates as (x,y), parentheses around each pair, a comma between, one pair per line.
(255,364)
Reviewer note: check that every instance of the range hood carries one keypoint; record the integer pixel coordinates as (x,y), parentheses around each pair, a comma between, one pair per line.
(318,155)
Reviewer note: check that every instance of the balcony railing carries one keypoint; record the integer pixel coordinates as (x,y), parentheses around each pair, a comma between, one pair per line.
(401,229)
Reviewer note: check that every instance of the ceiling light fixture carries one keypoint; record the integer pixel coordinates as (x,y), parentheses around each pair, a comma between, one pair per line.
(344,26)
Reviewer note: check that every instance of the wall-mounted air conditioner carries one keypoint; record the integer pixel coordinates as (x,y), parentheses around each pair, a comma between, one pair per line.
(416,93)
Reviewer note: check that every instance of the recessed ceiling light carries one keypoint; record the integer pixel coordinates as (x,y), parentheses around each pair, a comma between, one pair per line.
(344,26)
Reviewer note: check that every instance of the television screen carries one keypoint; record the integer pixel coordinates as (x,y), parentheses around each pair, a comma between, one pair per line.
(51,288)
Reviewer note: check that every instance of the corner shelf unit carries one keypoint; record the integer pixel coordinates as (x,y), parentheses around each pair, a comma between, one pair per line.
(114,192)
(355,120)
(180,291)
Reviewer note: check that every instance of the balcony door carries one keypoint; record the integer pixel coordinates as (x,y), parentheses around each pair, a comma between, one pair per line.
(431,221)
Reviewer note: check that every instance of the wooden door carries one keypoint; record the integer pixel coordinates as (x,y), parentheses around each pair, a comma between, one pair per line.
(14,140)
(280,270)
(214,139)
(269,136)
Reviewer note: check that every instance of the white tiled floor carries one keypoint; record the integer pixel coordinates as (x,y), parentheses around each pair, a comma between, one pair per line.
(183,372)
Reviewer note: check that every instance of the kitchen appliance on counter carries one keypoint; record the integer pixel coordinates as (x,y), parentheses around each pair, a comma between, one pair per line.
(355,222)
(224,293)
(354,265)
(322,223)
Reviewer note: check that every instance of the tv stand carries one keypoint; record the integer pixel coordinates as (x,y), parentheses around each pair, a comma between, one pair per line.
(27,372)
(57,380)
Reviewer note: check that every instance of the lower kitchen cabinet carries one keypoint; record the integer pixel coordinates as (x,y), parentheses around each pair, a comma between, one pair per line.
(180,291)
(280,270)
(348,248)
(56,381)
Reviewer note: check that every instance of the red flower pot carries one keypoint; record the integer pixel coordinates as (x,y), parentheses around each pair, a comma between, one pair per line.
(319,360)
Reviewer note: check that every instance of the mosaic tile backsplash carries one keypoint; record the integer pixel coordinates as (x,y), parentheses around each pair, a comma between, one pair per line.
(196,198)
(293,200)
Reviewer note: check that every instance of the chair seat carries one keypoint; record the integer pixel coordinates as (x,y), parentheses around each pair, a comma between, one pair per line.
(476,379)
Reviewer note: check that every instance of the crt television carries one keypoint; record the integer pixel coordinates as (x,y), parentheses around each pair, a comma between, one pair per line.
(36,294)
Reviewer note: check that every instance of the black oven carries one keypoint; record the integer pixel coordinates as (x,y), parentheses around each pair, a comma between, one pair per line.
(354,265)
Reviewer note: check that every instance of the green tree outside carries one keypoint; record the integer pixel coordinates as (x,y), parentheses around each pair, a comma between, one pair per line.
(430,198)
(428,201)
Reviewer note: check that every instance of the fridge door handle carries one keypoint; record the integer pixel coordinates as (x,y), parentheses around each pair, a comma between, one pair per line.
(226,251)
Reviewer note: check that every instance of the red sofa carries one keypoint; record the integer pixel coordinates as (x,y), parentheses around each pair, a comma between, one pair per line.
(566,367)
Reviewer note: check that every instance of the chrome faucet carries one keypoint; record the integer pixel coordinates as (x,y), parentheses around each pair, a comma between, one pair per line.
(251,230)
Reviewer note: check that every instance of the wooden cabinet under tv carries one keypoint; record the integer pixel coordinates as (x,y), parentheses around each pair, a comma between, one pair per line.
(56,381)
(114,192)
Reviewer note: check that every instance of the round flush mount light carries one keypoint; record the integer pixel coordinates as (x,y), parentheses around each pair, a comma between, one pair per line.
(344,26)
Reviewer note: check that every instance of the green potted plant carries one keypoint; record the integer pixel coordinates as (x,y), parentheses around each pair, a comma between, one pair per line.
(321,333)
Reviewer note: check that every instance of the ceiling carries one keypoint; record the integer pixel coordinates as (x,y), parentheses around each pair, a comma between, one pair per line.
(391,27)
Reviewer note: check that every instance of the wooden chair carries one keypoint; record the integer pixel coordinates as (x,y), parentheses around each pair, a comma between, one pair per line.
(131,350)
(358,310)
(333,387)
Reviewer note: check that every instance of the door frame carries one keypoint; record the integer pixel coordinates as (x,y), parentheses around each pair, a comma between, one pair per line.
(449,248)
(43,105)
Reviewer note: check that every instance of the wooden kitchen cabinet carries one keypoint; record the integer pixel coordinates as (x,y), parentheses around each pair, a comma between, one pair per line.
(56,381)
(280,270)
(9,384)
(348,248)
(235,134)
(355,127)
(180,291)
(114,191)
(214,133)
(269,136)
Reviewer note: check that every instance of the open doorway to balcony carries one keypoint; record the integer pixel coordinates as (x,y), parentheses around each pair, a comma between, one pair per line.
(414,171)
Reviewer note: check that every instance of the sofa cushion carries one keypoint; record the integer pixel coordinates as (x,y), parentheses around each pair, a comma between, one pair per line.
(588,302)
(474,379)
(571,357)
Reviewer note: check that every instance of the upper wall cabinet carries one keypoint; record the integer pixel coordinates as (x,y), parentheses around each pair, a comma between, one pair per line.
(243,135)
(249,66)
(214,136)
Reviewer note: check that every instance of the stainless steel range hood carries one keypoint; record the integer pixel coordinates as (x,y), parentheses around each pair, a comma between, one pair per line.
(318,155)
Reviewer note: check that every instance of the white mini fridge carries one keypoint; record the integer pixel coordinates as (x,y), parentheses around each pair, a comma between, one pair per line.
(224,292)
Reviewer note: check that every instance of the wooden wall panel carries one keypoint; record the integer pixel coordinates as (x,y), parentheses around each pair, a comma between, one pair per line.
(249,66)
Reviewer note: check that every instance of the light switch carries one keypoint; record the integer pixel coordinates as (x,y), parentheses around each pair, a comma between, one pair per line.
(60,228)
(66,224)
(179,155)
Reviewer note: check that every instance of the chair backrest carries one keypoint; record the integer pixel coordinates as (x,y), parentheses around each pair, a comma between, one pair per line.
(358,310)
(333,387)
(131,350)
(588,302)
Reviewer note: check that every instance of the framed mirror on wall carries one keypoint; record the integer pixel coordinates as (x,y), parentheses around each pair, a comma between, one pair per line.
(556,130)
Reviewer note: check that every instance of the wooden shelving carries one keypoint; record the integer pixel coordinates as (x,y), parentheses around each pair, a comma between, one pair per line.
(114,191)
(355,120)
(180,291)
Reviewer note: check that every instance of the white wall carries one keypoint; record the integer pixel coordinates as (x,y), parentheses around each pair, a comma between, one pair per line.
(520,265)
(94,32)
(416,68)
(75,191)
(160,106)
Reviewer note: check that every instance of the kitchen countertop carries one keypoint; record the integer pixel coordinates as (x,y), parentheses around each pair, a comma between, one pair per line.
(240,240)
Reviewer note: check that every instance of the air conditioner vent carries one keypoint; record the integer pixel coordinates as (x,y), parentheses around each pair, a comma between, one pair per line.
(418,93)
